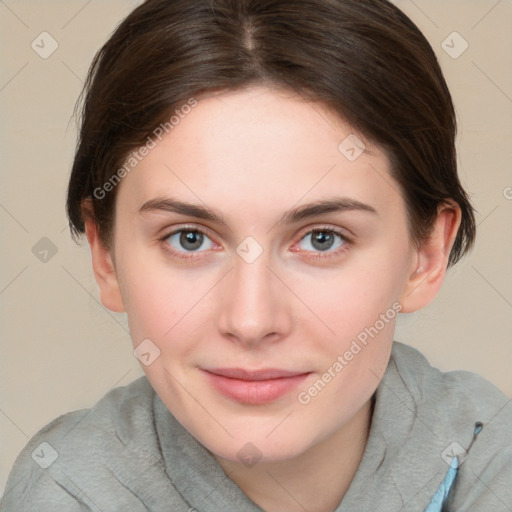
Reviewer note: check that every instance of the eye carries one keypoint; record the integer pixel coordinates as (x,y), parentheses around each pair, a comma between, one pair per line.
(188,240)
(323,240)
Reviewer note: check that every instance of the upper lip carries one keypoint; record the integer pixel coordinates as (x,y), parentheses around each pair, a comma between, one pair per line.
(263,374)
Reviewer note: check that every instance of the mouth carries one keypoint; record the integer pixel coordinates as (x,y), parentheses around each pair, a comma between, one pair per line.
(254,386)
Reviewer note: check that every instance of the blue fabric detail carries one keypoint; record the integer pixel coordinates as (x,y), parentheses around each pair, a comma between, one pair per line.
(442,492)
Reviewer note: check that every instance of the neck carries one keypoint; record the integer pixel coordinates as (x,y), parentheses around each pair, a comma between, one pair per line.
(314,480)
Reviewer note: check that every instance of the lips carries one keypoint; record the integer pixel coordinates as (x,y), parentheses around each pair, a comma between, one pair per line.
(254,375)
(254,386)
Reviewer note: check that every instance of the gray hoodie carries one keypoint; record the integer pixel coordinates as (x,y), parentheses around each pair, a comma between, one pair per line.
(129,454)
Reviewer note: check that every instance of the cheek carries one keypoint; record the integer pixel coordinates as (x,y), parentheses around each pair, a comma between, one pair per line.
(167,305)
(151,296)
(362,313)
(361,326)
(351,299)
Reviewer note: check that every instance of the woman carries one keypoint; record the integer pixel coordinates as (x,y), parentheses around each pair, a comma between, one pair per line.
(265,186)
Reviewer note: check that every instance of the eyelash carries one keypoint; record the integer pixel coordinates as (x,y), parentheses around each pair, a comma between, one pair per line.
(316,255)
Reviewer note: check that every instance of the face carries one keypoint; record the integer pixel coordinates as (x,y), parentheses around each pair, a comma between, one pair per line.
(266,265)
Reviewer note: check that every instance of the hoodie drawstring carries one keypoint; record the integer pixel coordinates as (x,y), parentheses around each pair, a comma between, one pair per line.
(441,496)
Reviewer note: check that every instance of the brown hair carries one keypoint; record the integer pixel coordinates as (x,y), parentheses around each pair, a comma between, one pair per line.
(363,59)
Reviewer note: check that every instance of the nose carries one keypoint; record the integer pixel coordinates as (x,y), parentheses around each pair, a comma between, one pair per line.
(254,304)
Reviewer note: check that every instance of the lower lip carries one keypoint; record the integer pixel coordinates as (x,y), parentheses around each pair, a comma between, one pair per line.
(255,391)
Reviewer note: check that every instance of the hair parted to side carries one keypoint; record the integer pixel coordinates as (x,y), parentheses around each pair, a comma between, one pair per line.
(364,59)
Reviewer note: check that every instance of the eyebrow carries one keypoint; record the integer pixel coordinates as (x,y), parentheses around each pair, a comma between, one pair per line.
(334,204)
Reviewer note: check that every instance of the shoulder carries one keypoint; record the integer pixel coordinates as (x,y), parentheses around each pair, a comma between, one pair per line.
(79,442)
(466,392)
(446,408)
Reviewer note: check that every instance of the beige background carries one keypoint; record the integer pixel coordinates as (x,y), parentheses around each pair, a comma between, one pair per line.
(61,350)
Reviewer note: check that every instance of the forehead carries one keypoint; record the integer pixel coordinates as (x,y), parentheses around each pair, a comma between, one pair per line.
(263,147)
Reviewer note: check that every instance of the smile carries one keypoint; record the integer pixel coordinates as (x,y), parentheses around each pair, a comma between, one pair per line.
(254,386)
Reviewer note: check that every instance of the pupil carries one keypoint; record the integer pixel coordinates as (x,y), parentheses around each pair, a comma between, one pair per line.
(323,240)
(191,240)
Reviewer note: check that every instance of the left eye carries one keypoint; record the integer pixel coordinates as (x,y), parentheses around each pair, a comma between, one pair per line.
(323,240)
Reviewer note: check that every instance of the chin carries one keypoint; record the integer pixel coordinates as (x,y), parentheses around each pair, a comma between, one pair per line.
(262,443)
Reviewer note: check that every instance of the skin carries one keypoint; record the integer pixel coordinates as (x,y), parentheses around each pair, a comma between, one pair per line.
(253,155)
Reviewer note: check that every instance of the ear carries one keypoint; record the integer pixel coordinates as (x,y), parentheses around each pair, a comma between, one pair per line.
(102,263)
(431,259)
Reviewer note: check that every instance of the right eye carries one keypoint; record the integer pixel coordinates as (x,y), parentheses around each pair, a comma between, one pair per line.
(188,241)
